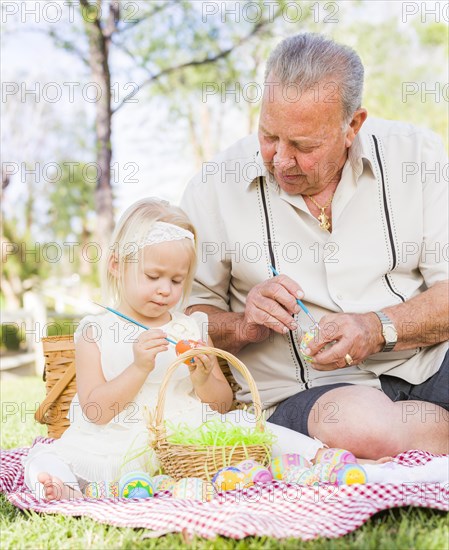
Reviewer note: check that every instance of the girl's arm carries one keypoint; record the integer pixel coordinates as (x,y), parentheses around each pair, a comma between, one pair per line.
(210,383)
(101,400)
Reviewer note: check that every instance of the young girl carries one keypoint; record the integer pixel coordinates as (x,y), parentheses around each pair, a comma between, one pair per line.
(119,366)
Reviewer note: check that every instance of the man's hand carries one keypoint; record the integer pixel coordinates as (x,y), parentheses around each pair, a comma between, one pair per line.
(270,305)
(353,334)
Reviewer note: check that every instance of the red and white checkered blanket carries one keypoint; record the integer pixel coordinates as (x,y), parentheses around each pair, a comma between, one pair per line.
(276,510)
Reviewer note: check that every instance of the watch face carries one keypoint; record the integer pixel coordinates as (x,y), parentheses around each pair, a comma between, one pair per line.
(390,333)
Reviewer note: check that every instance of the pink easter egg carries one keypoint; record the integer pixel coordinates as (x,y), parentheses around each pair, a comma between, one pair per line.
(258,474)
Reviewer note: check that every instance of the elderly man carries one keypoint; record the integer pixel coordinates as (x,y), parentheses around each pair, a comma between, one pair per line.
(353,214)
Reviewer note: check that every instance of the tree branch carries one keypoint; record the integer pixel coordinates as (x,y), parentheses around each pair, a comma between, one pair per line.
(157,9)
(112,20)
(194,63)
(97,21)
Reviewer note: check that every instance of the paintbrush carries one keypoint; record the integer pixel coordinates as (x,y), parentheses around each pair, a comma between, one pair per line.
(298,301)
(123,316)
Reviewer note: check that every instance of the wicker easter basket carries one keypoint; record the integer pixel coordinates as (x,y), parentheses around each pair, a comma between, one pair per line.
(181,461)
(60,384)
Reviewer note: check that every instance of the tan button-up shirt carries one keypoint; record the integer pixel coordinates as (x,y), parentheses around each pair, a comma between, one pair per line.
(389,242)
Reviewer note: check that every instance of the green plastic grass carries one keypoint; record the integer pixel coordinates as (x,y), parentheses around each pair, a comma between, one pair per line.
(218,433)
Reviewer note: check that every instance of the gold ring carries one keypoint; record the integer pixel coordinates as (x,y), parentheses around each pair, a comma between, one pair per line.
(349,360)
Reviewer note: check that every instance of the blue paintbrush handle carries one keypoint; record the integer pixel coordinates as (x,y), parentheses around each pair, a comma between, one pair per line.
(123,316)
(298,301)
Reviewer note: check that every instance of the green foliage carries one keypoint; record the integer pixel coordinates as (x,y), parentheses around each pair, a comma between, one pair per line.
(11,336)
(433,34)
(72,200)
(61,327)
(23,265)
(71,215)
(394,62)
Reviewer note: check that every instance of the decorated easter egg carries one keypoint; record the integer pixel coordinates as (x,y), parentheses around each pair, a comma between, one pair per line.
(101,489)
(228,479)
(348,474)
(294,473)
(309,478)
(193,488)
(323,471)
(258,474)
(247,465)
(301,476)
(162,483)
(185,345)
(334,456)
(281,463)
(136,485)
(308,337)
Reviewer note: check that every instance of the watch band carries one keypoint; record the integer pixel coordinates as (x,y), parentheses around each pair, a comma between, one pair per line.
(387,323)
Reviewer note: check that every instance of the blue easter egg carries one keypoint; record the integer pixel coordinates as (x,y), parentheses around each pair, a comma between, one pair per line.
(136,485)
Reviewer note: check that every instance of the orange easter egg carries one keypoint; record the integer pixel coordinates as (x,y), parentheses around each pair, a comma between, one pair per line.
(186,345)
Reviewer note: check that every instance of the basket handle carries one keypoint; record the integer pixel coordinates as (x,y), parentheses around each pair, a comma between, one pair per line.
(54,393)
(159,413)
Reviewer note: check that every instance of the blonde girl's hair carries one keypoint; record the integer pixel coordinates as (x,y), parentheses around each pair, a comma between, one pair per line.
(131,228)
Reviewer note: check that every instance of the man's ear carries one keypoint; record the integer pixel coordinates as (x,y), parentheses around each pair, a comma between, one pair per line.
(113,266)
(356,123)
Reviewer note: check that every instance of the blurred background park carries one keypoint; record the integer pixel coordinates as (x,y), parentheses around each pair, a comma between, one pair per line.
(105,102)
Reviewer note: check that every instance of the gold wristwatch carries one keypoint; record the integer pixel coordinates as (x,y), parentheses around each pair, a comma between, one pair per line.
(389,331)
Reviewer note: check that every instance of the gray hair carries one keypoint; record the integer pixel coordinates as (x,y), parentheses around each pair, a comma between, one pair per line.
(308,58)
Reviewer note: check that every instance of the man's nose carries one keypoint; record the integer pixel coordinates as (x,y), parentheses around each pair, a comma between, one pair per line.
(284,157)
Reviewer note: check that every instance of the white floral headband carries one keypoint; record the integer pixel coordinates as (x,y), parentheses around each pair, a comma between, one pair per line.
(162,232)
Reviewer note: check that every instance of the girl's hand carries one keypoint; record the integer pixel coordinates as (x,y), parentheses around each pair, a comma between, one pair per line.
(147,346)
(200,370)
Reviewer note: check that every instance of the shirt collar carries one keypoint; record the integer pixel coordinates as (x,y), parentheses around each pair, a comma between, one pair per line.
(360,153)
(258,169)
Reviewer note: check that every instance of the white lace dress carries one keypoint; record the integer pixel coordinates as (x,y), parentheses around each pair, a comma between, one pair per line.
(105,452)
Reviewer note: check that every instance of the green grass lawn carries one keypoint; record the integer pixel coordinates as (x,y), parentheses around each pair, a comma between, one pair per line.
(401,529)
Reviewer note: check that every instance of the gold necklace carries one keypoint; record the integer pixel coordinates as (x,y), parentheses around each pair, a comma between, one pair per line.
(322,218)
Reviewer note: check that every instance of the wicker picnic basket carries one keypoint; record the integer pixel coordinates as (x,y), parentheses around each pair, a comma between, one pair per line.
(180,461)
(60,383)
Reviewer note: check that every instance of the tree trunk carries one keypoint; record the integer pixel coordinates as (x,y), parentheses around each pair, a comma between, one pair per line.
(99,65)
